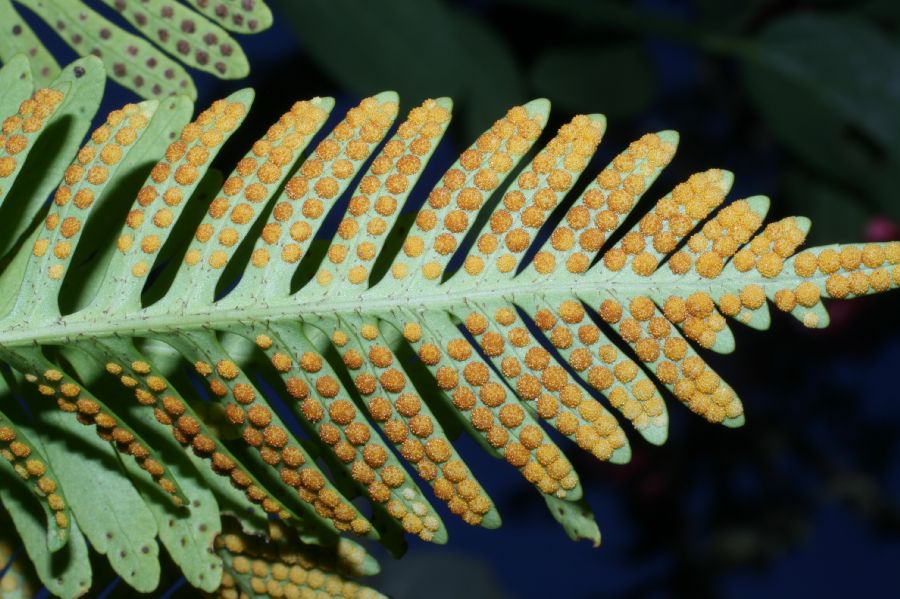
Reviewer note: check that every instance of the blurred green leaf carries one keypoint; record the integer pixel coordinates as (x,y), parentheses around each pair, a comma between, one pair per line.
(492,79)
(848,64)
(838,216)
(423,49)
(618,81)
(372,46)
(829,88)
(884,13)
(728,16)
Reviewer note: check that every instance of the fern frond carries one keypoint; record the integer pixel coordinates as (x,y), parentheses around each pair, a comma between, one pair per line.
(196,37)
(260,567)
(28,462)
(19,39)
(277,379)
(65,572)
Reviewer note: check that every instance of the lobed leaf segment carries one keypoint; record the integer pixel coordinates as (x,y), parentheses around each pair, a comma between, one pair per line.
(168,36)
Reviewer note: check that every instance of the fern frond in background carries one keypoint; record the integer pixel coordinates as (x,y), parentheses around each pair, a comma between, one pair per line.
(271,381)
(196,34)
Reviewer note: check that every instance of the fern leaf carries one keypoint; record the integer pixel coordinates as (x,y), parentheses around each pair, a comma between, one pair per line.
(16,78)
(67,572)
(19,39)
(108,508)
(132,62)
(241,16)
(257,176)
(268,436)
(185,35)
(94,170)
(155,392)
(264,569)
(367,352)
(313,188)
(61,115)
(305,343)
(576,519)
(187,534)
(27,461)
(162,199)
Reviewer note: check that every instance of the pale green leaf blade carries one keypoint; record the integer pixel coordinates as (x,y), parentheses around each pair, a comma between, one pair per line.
(186,36)
(240,16)
(576,519)
(67,572)
(107,507)
(90,175)
(17,38)
(97,242)
(187,533)
(130,60)
(259,175)
(81,84)
(26,461)
(16,79)
(161,201)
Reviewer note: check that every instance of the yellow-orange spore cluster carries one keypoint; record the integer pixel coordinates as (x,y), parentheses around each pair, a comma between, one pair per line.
(319,182)
(673,217)
(720,238)
(324,403)
(409,424)
(741,305)
(848,271)
(170,410)
(30,467)
(493,412)
(767,251)
(765,256)
(172,180)
(345,557)
(20,130)
(282,570)
(454,203)
(262,430)
(697,316)
(72,399)
(668,354)
(604,205)
(539,189)
(243,194)
(603,367)
(380,194)
(539,378)
(82,182)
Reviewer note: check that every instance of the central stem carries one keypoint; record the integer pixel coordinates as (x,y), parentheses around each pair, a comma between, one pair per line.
(221,315)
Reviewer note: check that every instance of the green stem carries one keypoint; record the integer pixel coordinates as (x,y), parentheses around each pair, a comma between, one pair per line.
(171,318)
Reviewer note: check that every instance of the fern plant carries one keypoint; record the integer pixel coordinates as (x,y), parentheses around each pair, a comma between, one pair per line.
(196,33)
(191,373)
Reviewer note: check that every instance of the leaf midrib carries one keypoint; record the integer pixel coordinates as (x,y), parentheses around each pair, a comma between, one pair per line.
(144,322)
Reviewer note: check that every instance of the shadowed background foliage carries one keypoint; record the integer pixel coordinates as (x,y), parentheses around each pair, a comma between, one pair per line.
(802,101)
